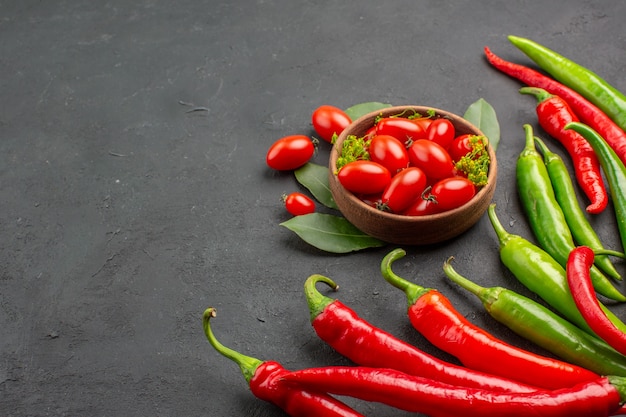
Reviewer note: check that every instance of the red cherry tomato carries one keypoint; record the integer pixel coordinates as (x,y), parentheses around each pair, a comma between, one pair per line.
(432,158)
(364,177)
(370,133)
(404,188)
(372,200)
(389,152)
(298,204)
(421,207)
(290,152)
(453,192)
(424,122)
(442,132)
(402,128)
(459,147)
(329,120)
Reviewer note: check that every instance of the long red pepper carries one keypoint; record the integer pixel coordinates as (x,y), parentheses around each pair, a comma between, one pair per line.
(585,110)
(578,264)
(367,345)
(434,316)
(553,114)
(599,398)
(265,380)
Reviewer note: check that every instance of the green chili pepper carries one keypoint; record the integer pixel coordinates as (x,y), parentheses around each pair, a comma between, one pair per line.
(565,194)
(614,171)
(541,274)
(588,84)
(543,327)
(545,216)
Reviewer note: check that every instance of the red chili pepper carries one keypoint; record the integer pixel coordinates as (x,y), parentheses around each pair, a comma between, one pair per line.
(554,113)
(265,380)
(598,398)
(434,316)
(586,111)
(367,345)
(578,264)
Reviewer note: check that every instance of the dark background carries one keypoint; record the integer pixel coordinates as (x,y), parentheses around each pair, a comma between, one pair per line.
(123,216)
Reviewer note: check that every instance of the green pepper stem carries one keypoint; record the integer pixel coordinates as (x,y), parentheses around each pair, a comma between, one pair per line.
(461,280)
(413,291)
(609,252)
(316,301)
(247,364)
(529,148)
(501,232)
(486,295)
(548,155)
(619,382)
(539,93)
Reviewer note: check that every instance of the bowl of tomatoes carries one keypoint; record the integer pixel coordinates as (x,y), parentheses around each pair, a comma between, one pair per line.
(412,175)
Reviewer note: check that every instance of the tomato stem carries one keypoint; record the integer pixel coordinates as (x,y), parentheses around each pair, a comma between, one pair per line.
(426,195)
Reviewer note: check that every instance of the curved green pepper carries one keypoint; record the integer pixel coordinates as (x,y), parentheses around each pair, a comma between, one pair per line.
(543,327)
(614,171)
(541,274)
(545,216)
(587,83)
(565,195)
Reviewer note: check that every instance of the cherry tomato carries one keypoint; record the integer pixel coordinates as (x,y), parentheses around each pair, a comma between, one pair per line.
(424,122)
(364,177)
(421,207)
(290,152)
(441,131)
(372,200)
(402,128)
(453,192)
(432,158)
(404,188)
(389,152)
(370,133)
(298,204)
(459,147)
(329,120)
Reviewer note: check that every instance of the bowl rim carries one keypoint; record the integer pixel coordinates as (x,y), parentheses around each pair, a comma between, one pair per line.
(491,176)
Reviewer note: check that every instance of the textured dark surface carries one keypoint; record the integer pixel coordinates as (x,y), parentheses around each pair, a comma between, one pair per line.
(123,216)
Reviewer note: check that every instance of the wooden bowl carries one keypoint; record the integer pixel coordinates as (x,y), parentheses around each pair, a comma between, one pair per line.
(410,230)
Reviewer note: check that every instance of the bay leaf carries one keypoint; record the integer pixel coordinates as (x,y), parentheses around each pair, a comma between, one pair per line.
(314,178)
(362,109)
(330,233)
(482,115)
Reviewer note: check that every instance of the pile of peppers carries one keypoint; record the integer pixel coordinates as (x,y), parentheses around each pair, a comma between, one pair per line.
(567,268)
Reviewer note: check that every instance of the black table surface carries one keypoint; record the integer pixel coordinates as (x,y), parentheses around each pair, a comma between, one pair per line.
(124,215)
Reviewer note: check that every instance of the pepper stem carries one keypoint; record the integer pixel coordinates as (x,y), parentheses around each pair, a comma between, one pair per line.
(486,295)
(247,364)
(461,280)
(413,291)
(619,382)
(316,301)
(609,252)
(501,232)
(539,93)
(529,148)
(548,155)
